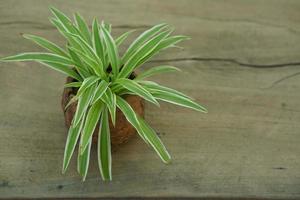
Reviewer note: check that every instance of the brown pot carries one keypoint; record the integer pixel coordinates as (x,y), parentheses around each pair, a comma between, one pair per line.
(121,132)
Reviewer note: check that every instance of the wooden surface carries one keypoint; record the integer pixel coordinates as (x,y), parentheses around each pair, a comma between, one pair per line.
(243,64)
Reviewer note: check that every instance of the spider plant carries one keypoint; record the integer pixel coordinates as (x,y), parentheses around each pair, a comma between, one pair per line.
(102,78)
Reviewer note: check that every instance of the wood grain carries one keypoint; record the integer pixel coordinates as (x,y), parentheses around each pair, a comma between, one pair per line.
(242,64)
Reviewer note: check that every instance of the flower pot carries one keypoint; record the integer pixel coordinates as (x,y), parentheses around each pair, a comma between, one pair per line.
(121,132)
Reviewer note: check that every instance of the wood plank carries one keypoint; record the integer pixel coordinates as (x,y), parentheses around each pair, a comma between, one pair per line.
(242,63)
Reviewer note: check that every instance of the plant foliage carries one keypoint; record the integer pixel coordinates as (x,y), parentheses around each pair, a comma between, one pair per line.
(92,58)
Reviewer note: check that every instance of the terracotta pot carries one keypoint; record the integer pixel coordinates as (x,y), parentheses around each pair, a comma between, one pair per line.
(121,132)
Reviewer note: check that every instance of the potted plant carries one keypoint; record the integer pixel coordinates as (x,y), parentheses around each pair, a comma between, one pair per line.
(103,97)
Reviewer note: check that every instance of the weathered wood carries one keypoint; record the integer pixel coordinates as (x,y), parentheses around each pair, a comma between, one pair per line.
(242,63)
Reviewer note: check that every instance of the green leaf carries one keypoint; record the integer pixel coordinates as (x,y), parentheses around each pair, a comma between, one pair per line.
(72,100)
(123,37)
(137,89)
(130,116)
(152,86)
(91,64)
(166,43)
(107,26)
(177,99)
(53,61)
(33,56)
(154,141)
(104,147)
(80,67)
(156,70)
(83,161)
(100,90)
(85,47)
(83,103)
(171,41)
(117,89)
(112,51)
(141,39)
(143,51)
(91,53)
(83,28)
(144,130)
(60,27)
(73,135)
(97,41)
(65,69)
(66,23)
(113,108)
(128,111)
(109,99)
(91,120)
(46,44)
(88,82)
(73,84)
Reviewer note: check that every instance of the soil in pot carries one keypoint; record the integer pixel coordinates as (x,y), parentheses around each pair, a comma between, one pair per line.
(121,132)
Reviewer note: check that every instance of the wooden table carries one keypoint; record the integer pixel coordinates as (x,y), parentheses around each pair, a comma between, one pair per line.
(243,64)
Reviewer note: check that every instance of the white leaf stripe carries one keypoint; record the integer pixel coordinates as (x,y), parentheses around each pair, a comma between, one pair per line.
(83,161)
(66,33)
(97,41)
(63,69)
(90,51)
(153,87)
(142,52)
(104,147)
(130,116)
(123,37)
(72,100)
(154,141)
(137,89)
(156,70)
(100,90)
(93,66)
(111,50)
(84,45)
(82,26)
(114,108)
(34,56)
(107,26)
(146,133)
(80,67)
(88,82)
(146,35)
(171,41)
(178,100)
(73,135)
(83,104)
(109,98)
(46,44)
(63,19)
(65,24)
(164,44)
(73,84)
(92,119)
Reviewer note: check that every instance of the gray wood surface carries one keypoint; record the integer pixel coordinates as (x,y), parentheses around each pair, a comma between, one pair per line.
(242,63)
